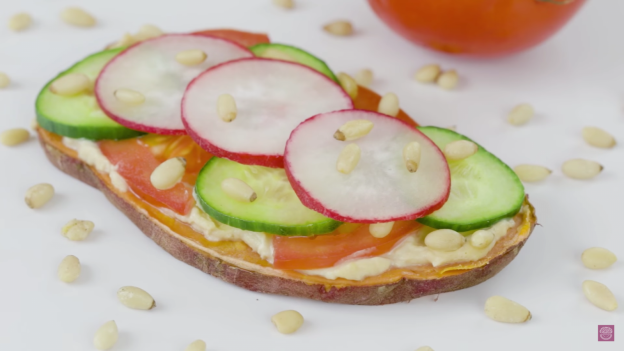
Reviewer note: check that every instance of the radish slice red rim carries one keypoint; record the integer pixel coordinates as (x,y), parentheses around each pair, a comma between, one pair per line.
(272,97)
(379,188)
(151,69)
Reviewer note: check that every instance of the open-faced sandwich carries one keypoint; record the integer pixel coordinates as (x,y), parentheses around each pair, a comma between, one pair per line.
(248,160)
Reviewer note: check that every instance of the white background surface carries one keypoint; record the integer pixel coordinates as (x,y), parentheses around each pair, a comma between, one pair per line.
(574,80)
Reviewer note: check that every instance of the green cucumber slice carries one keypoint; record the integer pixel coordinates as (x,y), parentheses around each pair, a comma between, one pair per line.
(291,53)
(277,209)
(80,116)
(484,190)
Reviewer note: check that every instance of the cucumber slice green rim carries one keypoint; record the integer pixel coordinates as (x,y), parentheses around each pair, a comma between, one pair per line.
(80,116)
(291,53)
(277,210)
(484,190)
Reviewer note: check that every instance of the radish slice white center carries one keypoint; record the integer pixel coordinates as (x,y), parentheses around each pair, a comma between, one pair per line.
(151,68)
(380,188)
(272,97)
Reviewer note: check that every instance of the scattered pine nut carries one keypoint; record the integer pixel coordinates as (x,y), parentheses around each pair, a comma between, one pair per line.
(168,173)
(444,240)
(428,73)
(77,17)
(504,310)
(424,348)
(191,57)
(521,114)
(364,77)
(598,258)
(20,21)
(148,31)
(481,239)
(353,130)
(532,173)
(70,84)
(69,269)
(348,159)
(129,97)
(287,4)
(581,169)
(197,345)
(460,149)
(77,230)
(38,195)
(348,84)
(599,295)
(126,40)
(226,107)
(287,322)
(389,105)
(411,156)
(34,124)
(453,128)
(4,80)
(339,28)
(106,337)
(15,136)
(380,230)
(597,137)
(238,190)
(448,80)
(135,298)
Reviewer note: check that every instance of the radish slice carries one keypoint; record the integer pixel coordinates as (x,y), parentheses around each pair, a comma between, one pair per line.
(272,97)
(150,68)
(380,188)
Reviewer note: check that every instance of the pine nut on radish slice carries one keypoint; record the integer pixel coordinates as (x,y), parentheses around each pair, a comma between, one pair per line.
(598,258)
(531,173)
(226,107)
(191,57)
(599,295)
(70,84)
(428,73)
(106,336)
(129,97)
(504,310)
(168,173)
(411,156)
(348,84)
(20,21)
(597,137)
(238,190)
(287,322)
(581,169)
(460,149)
(38,195)
(15,136)
(77,17)
(348,158)
(339,28)
(353,130)
(389,105)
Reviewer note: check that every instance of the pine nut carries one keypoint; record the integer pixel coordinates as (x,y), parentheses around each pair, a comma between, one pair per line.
(15,136)
(69,269)
(191,57)
(598,258)
(444,240)
(581,169)
(448,80)
(226,107)
(4,80)
(424,348)
(38,195)
(197,345)
(340,28)
(353,130)
(428,73)
(599,295)
(520,114)
(411,156)
(148,31)
(77,17)
(168,173)
(597,137)
(348,159)
(277,55)
(532,173)
(239,190)
(504,310)
(126,40)
(106,336)
(77,230)
(389,105)
(287,322)
(481,239)
(70,84)
(460,149)
(34,124)
(380,230)
(364,77)
(20,21)
(348,84)
(129,97)
(135,298)
(453,128)
(287,4)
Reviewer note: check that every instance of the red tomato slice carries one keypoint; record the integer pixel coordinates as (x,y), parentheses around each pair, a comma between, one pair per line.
(245,39)
(326,250)
(135,163)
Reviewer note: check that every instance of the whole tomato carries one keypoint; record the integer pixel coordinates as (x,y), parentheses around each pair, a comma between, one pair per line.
(481,28)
